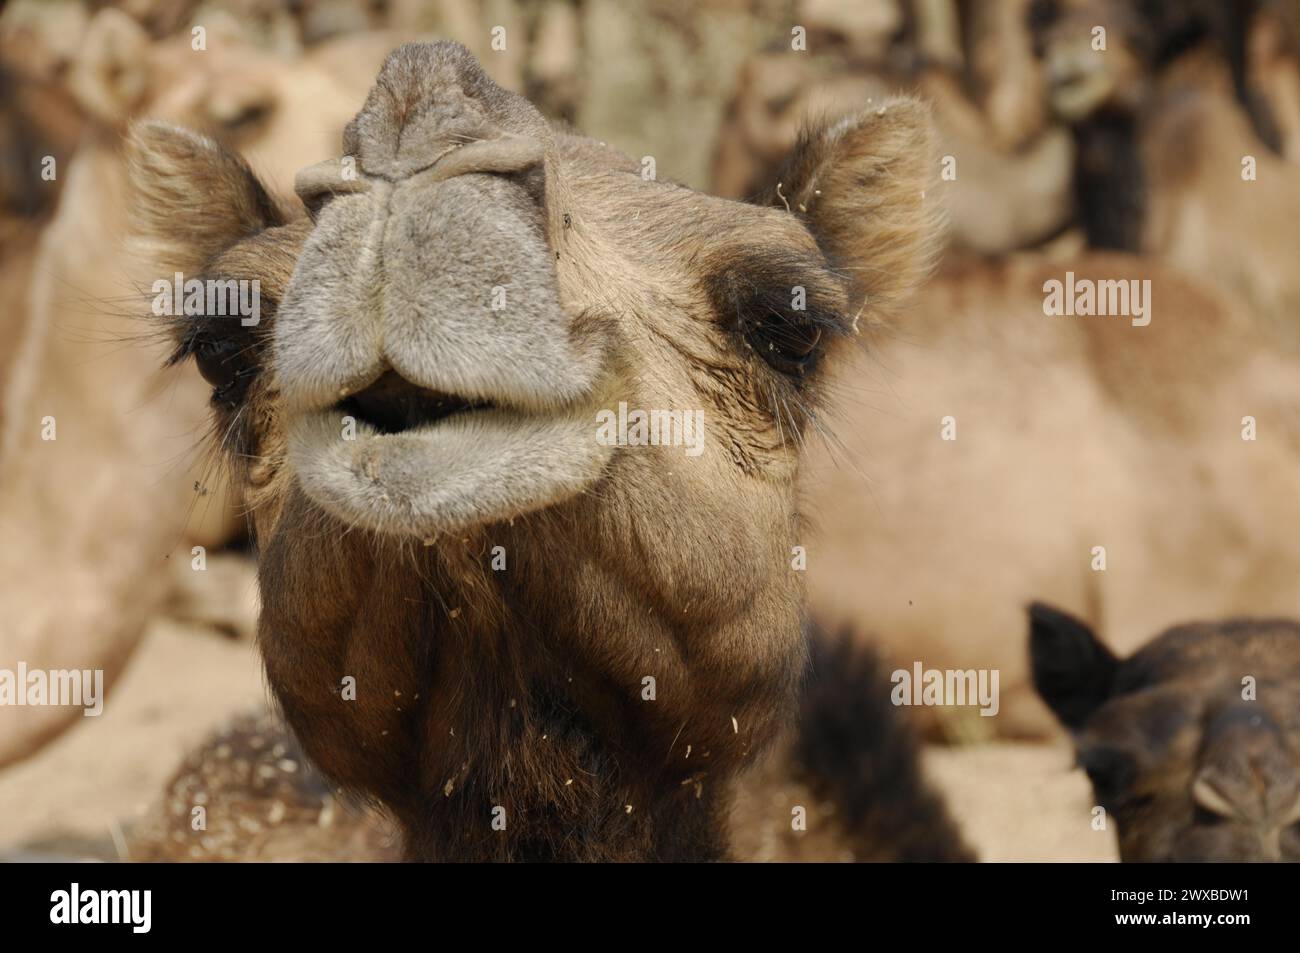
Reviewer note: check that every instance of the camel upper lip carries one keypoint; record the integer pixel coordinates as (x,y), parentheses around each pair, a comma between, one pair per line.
(392,404)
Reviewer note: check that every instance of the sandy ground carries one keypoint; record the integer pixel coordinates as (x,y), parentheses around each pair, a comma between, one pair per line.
(1021,802)
(1013,801)
(182,682)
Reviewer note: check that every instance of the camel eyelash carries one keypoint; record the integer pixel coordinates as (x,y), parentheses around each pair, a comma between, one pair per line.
(779,310)
(226,356)
(194,339)
(184,348)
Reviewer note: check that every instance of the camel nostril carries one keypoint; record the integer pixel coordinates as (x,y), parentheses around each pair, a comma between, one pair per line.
(317,184)
(392,404)
(505,155)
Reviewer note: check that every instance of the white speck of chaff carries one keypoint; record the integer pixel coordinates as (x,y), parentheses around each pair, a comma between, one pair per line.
(781,196)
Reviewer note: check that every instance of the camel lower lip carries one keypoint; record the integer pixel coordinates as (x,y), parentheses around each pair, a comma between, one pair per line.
(473,467)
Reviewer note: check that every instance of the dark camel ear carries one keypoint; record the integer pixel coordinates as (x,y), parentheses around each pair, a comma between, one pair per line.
(190,198)
(1073,671)
(862,186)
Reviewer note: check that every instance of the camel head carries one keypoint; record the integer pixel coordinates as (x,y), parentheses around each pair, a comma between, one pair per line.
(508,394)
(1192,744)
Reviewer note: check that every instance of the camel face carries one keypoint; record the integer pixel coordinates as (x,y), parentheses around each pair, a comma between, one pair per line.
(1192,744)
(570,292)
(518,426)
(1083,77)
(1089,74)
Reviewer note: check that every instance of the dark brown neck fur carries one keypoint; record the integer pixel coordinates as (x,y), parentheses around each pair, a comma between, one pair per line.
(479,689)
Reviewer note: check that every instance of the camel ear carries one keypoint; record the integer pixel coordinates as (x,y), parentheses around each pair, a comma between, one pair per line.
(862,186)
(1073,671)
(111,77)
(190,198)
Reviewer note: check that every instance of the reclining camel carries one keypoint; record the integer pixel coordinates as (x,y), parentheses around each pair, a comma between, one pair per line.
(1185,132)
(97,492)
(1087,428)
(985,454)
(1192,743)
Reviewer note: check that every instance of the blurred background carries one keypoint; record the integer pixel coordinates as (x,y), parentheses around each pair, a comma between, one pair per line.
(1118,140)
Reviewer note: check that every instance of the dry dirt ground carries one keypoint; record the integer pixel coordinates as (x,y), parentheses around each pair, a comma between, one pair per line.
(1014,801)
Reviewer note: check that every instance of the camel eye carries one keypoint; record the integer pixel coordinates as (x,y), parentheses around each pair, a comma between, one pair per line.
(217,361)
(226,340)
(787,344)
(781,308)
(226,354)
(227,364)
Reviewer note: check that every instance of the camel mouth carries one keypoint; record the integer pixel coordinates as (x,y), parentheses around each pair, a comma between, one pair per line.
(393,405)
(404,460)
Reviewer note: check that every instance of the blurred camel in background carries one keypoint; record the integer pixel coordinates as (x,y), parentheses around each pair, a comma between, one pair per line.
(101,490)
(1070,432)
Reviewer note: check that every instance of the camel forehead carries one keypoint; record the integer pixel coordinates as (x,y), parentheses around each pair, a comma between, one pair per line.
(1188,689)
(1263,648)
